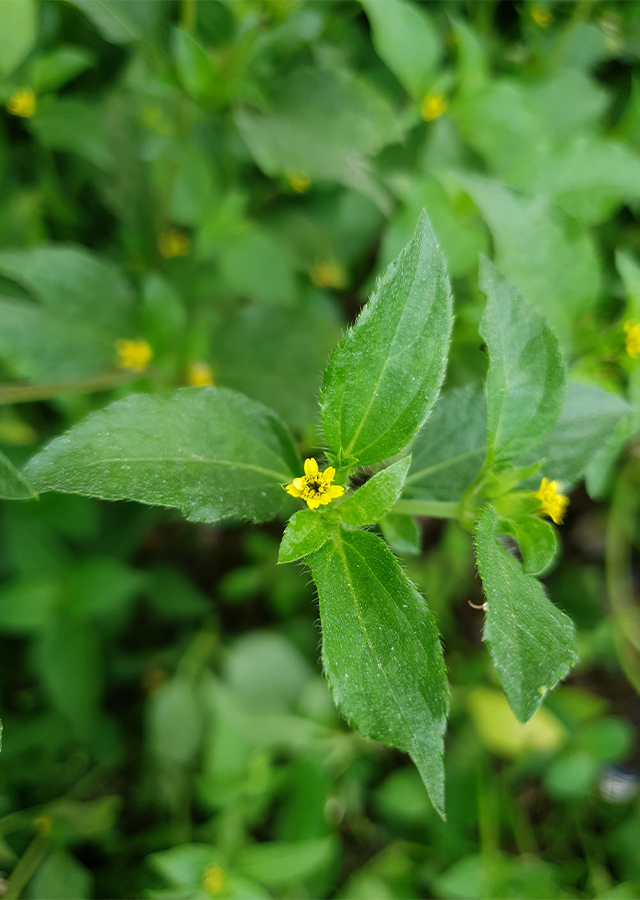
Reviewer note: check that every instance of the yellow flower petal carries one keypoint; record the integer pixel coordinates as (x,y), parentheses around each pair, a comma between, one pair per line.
(325,499)
(134,355)
(299,483)
(328,475)
(335,490)
(293,490)
(552,502)
(310,468)
(23,103)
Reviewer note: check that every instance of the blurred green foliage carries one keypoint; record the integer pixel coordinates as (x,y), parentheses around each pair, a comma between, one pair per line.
(224,179)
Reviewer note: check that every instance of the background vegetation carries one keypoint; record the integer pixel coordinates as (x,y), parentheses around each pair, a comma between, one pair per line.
(238,172)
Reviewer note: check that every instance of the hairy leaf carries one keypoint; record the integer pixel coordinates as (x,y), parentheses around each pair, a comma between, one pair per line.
(208,451)
(306,531)
(526,379)
(384,376)
(381,651)
(531,641)
(377,497)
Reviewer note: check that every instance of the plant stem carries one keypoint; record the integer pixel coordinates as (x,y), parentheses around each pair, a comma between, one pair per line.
(26,866)
(26,393)
(436,509)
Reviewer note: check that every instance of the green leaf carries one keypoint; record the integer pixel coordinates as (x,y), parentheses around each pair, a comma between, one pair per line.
(449,450)
(384,376)
(325,125)
(306,531)
(61,875)
(600,471)
(18,32)
(377,497)
(73,283)
(74,126)
(53,69)
(196,69)
(547,255)
(585,424)
(121,23)
(208,451)
(256,266)
(629,271)
(402,533)
(381,651)
(12,485)
(277,355)
(277,863)
(531,641)
(537,539)
(526,379)
(406,40)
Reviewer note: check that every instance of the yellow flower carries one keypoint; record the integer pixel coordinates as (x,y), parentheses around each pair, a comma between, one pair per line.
(174,243)
(633,339)
(134,355)
(433,106)
(200,374)
(541,16)
(299,182)
(552,502)
(23,103)
(315,487)
(213,882)
(329,275)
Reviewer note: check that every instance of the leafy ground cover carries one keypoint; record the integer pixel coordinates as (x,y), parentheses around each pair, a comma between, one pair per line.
(202,193)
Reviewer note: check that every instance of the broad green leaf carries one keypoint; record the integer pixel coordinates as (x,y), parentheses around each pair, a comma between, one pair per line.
(18,32)
(381,651)
(174,721)
(74,283)
(12,485)
(537,539)
(306,531)
(384,376)
(42,346)
(53,69)
(526,380)
(325,125)
(402,533)
(208,451)
(122,23)
(75,126)
(406,40)
(600,471)
(531,641)
(196,70)
(277,863)
(256,266)
(570,101)
(449,450)
(377,496)
(61,875)
(547,255)
(585,424)
(277,355)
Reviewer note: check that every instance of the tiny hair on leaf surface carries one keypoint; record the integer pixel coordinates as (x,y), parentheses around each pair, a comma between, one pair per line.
(384,376)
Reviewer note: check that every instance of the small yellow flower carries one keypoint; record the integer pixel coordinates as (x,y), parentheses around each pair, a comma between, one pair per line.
(329,275)
(213,882)
(299,182)
(433,106)
(200,374)
(42,824)
(315,487)
(174,243)
(552,502)
(23,103)
(633,339)
(134,355)
(541,16)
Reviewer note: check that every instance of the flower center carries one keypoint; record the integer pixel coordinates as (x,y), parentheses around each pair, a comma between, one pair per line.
(316,486)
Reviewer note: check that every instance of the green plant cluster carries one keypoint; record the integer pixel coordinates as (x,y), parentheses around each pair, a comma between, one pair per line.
(206,205)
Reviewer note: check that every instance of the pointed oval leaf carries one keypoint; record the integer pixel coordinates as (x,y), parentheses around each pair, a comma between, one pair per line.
(526,379)
(381,651)
(377,497)
(306,531)
(207,451)
(402,533)
(449,451)
(531,641)
(384,376)
(537,539)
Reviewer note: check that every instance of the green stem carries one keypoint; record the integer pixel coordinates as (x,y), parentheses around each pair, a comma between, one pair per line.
(436,509)
(26,393)
(26,867)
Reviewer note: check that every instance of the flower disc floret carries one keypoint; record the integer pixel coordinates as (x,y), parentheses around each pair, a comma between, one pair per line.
(314,487)
(553,503)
